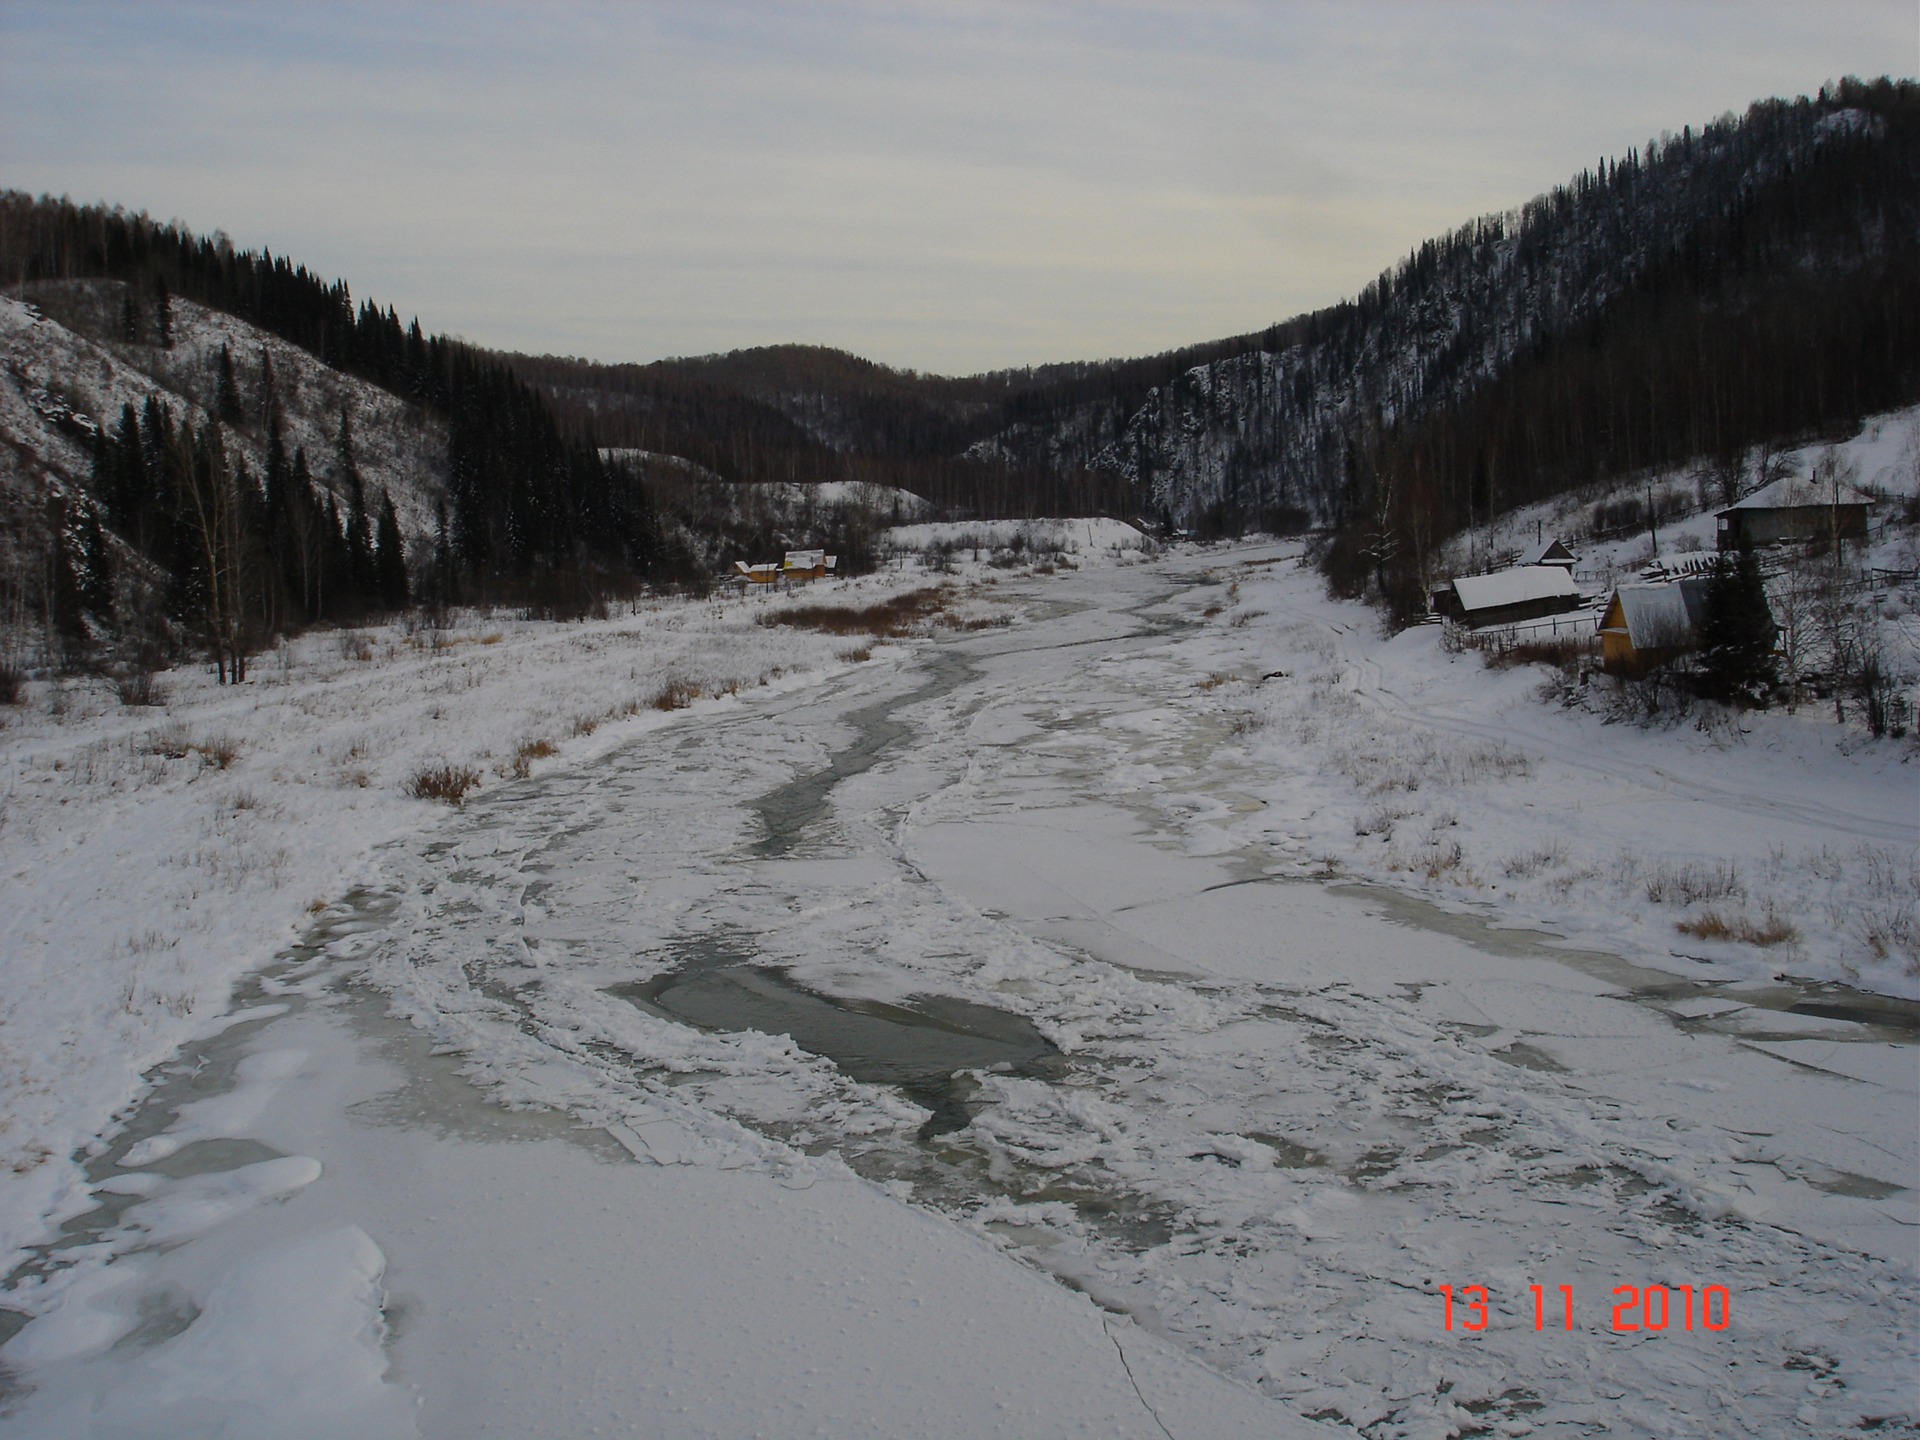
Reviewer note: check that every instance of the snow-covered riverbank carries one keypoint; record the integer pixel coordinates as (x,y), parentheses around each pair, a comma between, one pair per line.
(1277,1116)
(149,856)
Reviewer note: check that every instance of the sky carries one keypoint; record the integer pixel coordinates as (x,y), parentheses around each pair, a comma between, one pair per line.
(944,187)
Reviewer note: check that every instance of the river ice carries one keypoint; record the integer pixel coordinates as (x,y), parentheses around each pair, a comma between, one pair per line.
(1287,1110)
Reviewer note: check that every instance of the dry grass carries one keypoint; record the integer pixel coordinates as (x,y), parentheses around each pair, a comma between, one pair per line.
(1530,862)
(219,751)
(525,754)
(171,742)
(1711,924)
(1563,654)
(852,655)
(1211,611)
(889,619)
(1693,882)
(1215,681)
(676,694)
(1380,821)
(140,688)
(443,782)
(176,742)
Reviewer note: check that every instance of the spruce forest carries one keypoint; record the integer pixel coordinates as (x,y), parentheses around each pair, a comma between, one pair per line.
(1751,283)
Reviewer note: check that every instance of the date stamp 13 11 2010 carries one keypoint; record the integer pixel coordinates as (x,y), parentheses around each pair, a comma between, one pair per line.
(1636,1308)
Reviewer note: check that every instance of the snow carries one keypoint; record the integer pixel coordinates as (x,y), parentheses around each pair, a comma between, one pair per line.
(1791,491)
(139,877)
(288,1346)
(1361,960)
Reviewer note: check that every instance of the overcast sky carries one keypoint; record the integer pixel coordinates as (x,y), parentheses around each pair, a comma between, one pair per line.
(951,187)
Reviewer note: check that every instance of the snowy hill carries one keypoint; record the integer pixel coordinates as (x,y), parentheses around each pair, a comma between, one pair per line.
(68,371)
(1697,235)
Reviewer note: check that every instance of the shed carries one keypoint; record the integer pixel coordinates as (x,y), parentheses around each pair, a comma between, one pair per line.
(1509,595)
(1648,625)
(1794,509)
(1553,551)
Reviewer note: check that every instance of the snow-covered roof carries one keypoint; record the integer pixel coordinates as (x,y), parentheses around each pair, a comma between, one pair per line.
(1514,587)
(1548,551)
(1656,616)
(1795,492)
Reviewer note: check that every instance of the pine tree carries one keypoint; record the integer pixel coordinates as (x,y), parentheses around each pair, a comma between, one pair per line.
(226,393)
(132,326)
(96,584)
(163,311)
(360,574)
(1737,633)
(390,558)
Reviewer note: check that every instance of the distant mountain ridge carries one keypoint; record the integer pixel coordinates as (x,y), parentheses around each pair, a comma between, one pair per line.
(1756,281)
(1763,267)
(1735,219)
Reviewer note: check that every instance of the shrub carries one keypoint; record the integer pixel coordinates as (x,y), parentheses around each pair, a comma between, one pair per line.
(676,694)
(140,687)
(171,742)
(890,619)
(219,751)
(1710,924)
(528,752)
(1691,883)
(443,782)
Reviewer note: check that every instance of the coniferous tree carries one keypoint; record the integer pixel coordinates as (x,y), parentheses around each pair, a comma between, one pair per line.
(359,566)
(163,311)
(226,392)
(390,557)
(1737,633)
(96,581)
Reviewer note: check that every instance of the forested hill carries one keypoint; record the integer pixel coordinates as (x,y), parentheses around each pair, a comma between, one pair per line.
(521,497)
(1750,281)
(809,414)
(1757,280)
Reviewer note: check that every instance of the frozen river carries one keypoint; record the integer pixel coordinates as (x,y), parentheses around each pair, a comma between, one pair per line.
(898,1057)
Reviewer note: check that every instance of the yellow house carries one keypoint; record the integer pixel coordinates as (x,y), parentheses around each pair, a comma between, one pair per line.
(1648,625)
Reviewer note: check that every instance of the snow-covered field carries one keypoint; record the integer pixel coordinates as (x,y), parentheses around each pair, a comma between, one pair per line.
(1393,760)
(152,855)
(1268,886)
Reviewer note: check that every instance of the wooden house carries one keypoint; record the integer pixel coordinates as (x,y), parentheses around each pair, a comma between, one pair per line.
(1523,593)
(1646,626)
(1794,510)
(1552,551)
(797,565)
(808,565)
